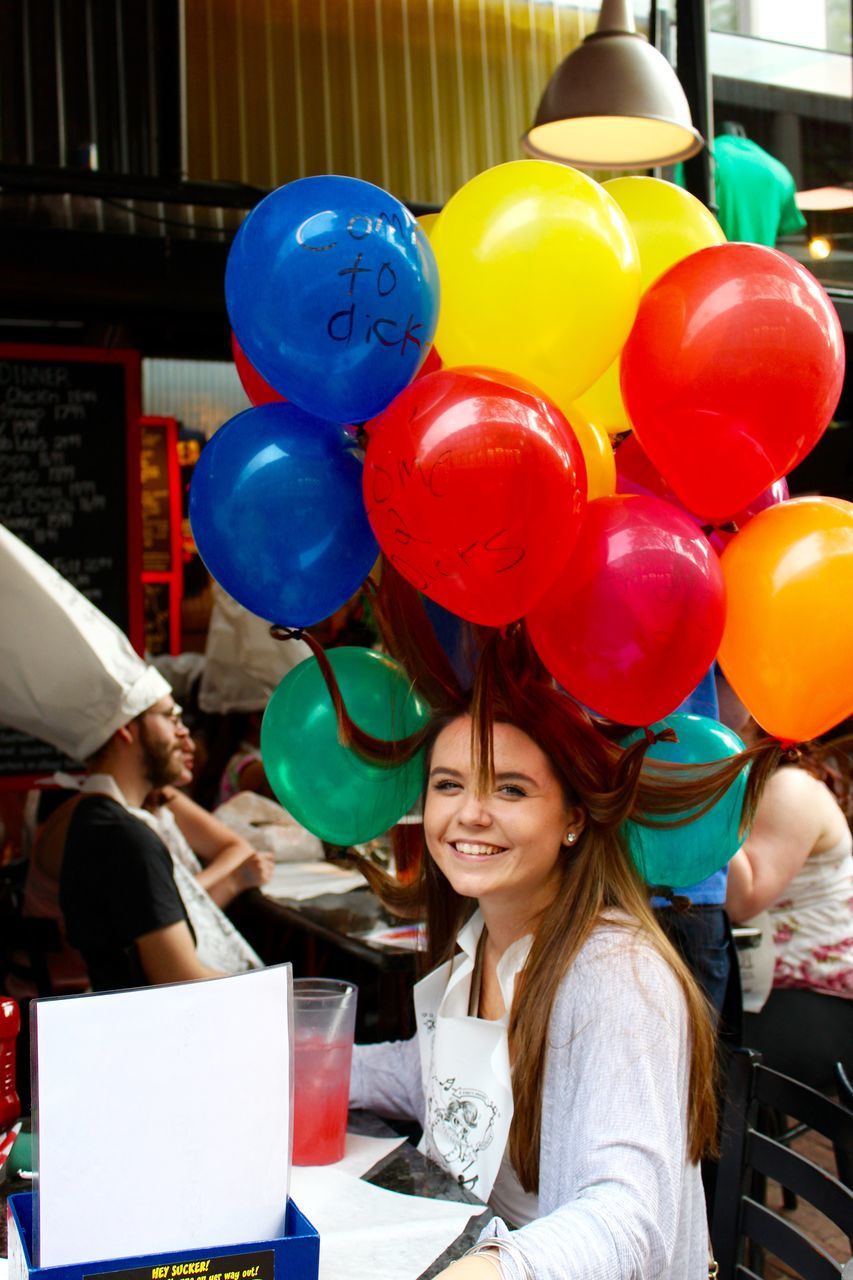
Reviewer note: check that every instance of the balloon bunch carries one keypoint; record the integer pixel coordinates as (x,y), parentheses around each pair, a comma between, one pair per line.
(571,313)
(332,293)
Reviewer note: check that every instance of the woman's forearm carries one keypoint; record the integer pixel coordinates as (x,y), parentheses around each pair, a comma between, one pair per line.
(742,901)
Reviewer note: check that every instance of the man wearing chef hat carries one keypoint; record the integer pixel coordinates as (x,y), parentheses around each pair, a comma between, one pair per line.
(70,677)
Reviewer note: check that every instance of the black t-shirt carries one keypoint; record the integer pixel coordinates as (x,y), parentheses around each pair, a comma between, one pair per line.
(116,886)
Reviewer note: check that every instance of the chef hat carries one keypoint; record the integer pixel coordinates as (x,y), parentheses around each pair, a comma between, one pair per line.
(182,670)
(67,674)
(243,663)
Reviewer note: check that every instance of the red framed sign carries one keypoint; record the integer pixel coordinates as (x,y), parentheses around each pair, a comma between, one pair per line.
(162,558)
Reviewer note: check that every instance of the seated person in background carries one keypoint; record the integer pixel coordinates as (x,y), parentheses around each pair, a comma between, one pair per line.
(796,868)
(243,666)
(70,677)
(701,933)
(135,913)
(222,863)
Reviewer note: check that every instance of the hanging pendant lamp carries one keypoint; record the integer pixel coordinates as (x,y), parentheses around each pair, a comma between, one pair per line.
(614,103)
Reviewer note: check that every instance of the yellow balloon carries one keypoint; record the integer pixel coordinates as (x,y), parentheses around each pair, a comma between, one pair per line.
(667,221)
(598,455)
(668,224)
(427,222)
(602,404)
(539,276)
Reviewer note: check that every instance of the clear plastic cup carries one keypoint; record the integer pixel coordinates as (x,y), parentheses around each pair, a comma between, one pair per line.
(323,1030)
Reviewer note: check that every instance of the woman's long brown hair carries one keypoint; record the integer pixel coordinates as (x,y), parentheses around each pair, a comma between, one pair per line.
(612,784)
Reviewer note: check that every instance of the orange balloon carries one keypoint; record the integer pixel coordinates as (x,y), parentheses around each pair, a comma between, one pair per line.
(597,453)
(787,648)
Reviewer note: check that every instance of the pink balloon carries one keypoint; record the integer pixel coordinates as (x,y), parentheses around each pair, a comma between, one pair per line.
(635,473)
(777,492)
(636,617)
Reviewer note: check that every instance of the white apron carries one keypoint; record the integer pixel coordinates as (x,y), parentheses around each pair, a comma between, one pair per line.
(465,1066)
(218,944)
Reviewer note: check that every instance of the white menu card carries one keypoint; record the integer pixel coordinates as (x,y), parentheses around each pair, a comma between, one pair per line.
(163,1117)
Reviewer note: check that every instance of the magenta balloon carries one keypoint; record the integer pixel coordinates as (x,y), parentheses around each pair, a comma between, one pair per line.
(635,619)
(778,492)
(771,497)
(635,473)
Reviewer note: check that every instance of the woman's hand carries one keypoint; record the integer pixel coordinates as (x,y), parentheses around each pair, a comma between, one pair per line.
(256,870)
(475,1268)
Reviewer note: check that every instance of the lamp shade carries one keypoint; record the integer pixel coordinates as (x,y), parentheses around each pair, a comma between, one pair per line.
(614,103)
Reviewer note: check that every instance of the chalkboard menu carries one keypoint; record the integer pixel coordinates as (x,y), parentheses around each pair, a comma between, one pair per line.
(69,486)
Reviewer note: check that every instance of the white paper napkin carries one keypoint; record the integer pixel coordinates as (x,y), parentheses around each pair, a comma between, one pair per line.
(368,1233)
(299,881)
(363,1152)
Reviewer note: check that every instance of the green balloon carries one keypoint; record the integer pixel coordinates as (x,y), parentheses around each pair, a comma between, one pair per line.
(682,856)
(330,789)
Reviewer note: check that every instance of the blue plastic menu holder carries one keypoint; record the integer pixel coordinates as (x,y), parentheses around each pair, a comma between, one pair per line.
(294,1256)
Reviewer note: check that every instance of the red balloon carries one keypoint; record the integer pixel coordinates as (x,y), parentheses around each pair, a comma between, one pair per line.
(431,364)
(635,473)
(635,619)
(474,486)
(731,373)
(256,388)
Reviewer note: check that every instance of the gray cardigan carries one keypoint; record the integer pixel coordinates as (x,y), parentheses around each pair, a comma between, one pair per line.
(617,1196)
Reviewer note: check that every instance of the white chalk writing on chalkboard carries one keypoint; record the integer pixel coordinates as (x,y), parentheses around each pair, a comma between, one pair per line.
(64,483)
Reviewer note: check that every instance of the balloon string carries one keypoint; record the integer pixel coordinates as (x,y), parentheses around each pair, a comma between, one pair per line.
(380,751)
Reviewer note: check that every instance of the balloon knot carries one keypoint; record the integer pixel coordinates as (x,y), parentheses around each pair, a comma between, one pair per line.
(508,629)
(287,633)
(791,753)
(666,735)
(677,901)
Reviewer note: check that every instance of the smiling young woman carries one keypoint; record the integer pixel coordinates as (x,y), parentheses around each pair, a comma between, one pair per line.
(563,1066)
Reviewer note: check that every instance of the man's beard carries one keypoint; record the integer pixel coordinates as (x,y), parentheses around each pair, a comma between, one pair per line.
(162,762)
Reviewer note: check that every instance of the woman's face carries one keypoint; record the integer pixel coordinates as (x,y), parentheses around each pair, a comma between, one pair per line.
(503,848)
(188,757)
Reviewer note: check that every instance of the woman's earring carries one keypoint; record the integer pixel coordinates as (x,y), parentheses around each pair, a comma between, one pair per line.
(570,837)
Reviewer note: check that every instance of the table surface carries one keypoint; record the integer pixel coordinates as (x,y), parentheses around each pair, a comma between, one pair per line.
(323,937)
(404,1170)
(344,918)
(411,1173)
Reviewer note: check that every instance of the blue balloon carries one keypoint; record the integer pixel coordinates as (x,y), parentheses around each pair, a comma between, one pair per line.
(277,514)
(332,290)
(683,855)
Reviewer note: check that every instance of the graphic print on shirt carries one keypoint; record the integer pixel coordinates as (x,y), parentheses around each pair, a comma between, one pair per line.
(460,1124)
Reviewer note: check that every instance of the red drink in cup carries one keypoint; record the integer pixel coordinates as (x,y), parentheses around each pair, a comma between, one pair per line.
(323,1027)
